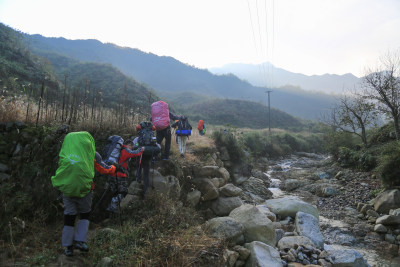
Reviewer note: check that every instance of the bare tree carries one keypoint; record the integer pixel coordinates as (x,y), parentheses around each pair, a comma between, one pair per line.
(382,85)
(353,114)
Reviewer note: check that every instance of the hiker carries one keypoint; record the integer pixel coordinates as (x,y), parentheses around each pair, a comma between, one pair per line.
(146,138)
(119,182)
(74,178)
(160,117)
(201,127)
(183,132)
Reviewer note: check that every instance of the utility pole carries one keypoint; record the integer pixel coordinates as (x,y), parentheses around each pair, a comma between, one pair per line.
(269,114)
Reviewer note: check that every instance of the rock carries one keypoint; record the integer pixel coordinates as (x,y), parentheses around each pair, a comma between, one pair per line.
(256,186)
(126,201)
(279,234)
(4,177)
(380,228)
(193,198)
(294,242)
(266,211)
(292,184)
(388,220)
(372,213)
(168,185)
(390,238)
(262,255)
(243,252)
(207,188)
(105,262)
(215,181)
(346,258)
(230,190)
(395,212)
(308,225)
(225,227)
(389,199)
(239,263)
(208,172)
(224,174)
(327,191)
(289,206)
(366,208)
(257,226)
(230,257)
(239,179)
(222,206)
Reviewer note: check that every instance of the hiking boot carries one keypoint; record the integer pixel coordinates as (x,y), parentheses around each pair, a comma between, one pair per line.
(82,246)
(69,251)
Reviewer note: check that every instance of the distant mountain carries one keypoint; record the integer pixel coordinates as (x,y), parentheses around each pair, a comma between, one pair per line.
(267,74)
(168,75)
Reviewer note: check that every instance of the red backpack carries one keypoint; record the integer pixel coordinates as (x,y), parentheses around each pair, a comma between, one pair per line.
(200,125)
(160,115)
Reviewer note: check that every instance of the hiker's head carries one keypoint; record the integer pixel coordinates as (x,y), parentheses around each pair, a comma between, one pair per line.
(129,144)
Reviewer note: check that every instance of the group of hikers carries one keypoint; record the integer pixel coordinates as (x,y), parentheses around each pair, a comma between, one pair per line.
(78,161)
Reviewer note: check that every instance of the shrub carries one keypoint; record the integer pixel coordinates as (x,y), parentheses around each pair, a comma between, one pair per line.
(389,165)
(227,139)
(256,143)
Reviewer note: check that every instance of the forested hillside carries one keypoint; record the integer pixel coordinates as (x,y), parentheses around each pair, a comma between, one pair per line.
(166,75)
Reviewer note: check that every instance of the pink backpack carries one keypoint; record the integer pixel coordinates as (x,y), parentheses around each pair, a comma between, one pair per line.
(160,115)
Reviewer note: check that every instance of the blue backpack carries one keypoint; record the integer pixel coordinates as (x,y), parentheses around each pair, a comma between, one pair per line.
(184,128)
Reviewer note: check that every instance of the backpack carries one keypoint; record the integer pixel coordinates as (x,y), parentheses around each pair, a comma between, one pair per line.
(75,172)
(200,125)
(160,115)
(112,150)
(147,139)
(183,128)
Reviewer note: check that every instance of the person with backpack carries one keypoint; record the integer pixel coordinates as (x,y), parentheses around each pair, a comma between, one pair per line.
(119,182)
(201,127)
(146,138)
(78,161)
(161,117)
(183,131)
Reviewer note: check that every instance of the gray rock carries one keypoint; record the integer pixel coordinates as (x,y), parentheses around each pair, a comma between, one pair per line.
(230,190)
(224,174)
(193,198)
(266,211)
(372,213)
(380,228)
(243,252)
(208,172)
(289,206)
(207,188)
(346,258)
(257,226)
(256,186)
(389,199)
(294,242)
(388,220)
(292,184)
(308,225)
(168,185)
(225,227)
(230,257)
(222,206)
(262,255)
(390,238)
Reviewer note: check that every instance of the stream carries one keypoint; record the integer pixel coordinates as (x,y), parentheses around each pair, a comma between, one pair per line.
(337,233)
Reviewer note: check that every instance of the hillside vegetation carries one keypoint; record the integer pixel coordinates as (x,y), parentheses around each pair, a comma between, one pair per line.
(168,75)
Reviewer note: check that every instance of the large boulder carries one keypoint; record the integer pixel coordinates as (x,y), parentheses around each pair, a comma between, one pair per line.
(257,187)
(346,258)
(387,200)
(230,190)
(308,225)
(209,172)
(193,198)
(226,228)
(207,188)
(388,220)
(257,226)
(167,185)
(289,206)
(222,206)
(262,255)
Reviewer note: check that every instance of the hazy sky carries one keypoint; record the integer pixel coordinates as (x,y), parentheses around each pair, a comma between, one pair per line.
(305,36)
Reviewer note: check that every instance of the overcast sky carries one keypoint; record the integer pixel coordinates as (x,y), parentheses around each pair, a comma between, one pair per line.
(304,36)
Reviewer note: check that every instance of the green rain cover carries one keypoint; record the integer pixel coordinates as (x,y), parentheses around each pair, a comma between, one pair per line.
(75,173)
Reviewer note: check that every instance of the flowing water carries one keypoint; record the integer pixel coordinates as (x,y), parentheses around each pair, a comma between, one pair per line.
(334,229)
